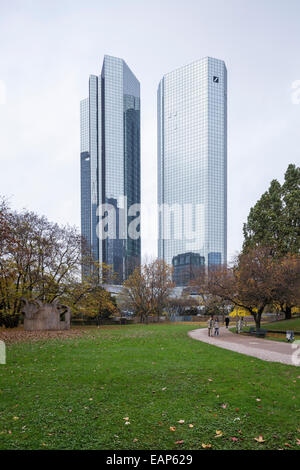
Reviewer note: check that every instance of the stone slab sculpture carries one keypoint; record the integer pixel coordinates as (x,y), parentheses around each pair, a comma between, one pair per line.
(50,316)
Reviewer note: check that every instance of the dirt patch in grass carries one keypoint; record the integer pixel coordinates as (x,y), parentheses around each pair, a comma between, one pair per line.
(18,335)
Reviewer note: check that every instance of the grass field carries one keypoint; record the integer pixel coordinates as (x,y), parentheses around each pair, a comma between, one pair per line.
(293,324)
(283,325)
(75,394)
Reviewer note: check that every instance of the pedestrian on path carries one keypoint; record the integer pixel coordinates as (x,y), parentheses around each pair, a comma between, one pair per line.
(227,321)
(210,325)
(217,327)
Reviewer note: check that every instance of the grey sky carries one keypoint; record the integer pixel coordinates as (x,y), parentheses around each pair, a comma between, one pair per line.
(49,48)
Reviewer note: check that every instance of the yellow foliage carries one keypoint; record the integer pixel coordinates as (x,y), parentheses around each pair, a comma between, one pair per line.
(240,312)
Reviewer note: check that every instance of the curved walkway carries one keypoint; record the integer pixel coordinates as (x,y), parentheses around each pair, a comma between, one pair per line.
(273,351)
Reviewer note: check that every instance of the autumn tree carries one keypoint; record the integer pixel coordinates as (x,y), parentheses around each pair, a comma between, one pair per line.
(88,297)
(211,303)
(181,305)
(97,304)
(147,290)
(42,258)
(39,260)
(159,282)
(286,292)
(5,234)
(248,284)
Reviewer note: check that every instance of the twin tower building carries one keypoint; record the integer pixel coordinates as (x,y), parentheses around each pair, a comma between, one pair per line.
(192,168)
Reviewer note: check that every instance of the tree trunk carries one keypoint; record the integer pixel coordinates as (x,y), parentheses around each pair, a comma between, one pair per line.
(288,312)
(257,318)
(257,322)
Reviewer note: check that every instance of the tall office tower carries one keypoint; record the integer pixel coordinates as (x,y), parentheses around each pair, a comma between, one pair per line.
(110,165)
(192,162)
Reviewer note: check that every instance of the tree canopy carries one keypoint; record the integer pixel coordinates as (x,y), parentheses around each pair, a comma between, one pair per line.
(274,221)
(40,260)
(147,290)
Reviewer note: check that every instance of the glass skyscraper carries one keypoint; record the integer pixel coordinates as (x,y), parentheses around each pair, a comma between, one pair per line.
(110,163)
(192,162)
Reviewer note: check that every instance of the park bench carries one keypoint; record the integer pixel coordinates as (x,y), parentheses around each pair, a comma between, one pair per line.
(258,332)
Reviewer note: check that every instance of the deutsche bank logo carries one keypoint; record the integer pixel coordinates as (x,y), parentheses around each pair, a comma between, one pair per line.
(216,79)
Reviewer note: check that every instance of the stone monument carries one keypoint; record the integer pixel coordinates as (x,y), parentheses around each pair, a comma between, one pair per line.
(49,316)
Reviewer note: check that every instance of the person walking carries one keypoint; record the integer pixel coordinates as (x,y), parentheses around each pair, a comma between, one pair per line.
(227,321)
(217,327)
(210,326)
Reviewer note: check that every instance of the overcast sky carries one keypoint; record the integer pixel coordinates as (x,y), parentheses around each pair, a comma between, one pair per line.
(48,49)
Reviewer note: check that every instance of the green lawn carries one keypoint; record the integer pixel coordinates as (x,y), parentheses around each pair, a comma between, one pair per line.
(75,394)
(283,325)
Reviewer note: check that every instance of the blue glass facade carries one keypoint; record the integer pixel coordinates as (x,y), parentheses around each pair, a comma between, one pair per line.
(192,161)
(85,176)
(186,267)
(114,148)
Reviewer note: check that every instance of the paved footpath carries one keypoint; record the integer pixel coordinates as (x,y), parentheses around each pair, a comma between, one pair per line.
(273,351)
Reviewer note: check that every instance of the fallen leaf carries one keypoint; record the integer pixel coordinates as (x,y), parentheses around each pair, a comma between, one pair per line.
(206,446)
(179,442)
(16,418)
(259,439)
(287,445)
(172,428)
(224,406)
(191,426)
(181,421)
(298,442)
(135,440)
(234,439)
(219,434)
(126,419)
(164,389)
(127,423)
(258,399)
